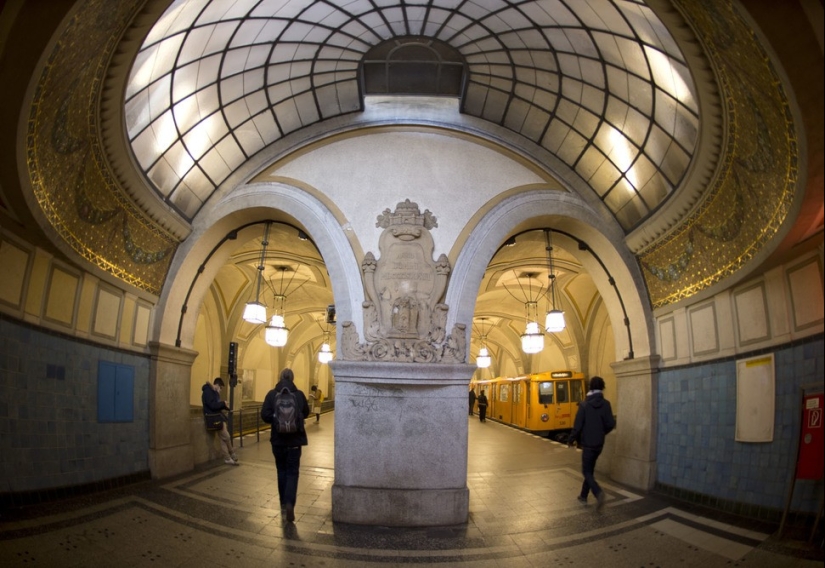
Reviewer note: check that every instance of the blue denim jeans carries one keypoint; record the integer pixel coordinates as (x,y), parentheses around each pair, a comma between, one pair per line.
(589,457)
(288,463)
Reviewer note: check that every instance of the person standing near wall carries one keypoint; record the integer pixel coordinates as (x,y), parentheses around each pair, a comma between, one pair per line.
(472,400)
(285,407)
(212,403)
(482,407)
(594,420)
(316,397)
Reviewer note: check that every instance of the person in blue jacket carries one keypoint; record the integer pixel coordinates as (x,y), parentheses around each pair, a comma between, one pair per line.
(212,404)
(286,446)
(594,420)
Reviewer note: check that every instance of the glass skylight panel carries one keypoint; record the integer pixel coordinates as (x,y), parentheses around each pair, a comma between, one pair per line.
(197,182)
(572,147)
(230,152)
(177,17)
(185,200)
(163,176)
(588,17)
(589,162)
(592,71)
(632,212)
(655,190)
(249,137)
(226,10)
(674,163)
(687,128)
(215,166)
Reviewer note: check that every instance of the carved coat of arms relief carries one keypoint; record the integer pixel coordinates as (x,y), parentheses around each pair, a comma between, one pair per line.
(404,318)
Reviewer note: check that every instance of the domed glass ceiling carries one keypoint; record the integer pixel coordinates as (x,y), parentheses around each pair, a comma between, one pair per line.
(601,84)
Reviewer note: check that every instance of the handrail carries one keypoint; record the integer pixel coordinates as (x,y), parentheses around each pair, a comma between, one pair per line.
(241,432)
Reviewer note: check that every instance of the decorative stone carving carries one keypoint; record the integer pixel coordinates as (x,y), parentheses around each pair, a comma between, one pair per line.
(403,317)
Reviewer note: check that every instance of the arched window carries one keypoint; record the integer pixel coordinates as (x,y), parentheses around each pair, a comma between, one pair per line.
(413,66)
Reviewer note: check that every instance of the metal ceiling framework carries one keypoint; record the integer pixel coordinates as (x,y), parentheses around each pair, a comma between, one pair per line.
(601,84)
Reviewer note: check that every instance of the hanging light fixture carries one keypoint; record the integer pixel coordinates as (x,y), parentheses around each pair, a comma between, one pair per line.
(483,360)
(532,340)
(276,332)
(554,320)
(255,312)
(325,354)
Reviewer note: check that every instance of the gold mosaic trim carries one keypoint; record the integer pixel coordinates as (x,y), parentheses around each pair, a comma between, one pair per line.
(69,175)
(753,192)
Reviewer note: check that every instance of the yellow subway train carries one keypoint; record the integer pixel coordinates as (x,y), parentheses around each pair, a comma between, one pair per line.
(541,403)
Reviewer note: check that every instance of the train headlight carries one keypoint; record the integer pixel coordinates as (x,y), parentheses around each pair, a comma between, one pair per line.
(545,417)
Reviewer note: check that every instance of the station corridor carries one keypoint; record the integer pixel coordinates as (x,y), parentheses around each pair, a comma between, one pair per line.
(523,513)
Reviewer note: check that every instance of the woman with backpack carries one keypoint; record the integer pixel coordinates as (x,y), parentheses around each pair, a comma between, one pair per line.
(285,407)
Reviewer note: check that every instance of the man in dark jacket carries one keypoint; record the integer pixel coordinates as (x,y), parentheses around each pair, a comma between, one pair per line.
(286,446)
(212,404)
(594,420)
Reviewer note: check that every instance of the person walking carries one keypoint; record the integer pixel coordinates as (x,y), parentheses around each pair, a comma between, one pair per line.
(472,400)
(212,404)
(285,407)
(482,407)
(594,420)
(316,397)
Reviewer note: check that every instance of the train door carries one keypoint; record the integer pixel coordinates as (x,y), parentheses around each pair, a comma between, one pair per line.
(519,403)
(504,405)
(565,410)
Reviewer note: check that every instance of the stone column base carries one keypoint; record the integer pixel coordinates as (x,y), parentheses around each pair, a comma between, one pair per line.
(400,507)
(167,462)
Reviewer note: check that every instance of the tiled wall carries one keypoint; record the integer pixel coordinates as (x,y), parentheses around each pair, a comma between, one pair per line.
(697,454)
(49,433)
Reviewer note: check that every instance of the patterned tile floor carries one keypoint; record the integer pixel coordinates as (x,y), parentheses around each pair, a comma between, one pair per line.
(523,513)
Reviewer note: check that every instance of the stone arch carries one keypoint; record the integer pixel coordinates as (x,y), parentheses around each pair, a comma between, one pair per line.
(247,204)
(566,212)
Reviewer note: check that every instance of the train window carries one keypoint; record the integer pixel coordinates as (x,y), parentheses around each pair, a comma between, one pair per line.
(563,391)
(546,393)
(503,393)
(577,391)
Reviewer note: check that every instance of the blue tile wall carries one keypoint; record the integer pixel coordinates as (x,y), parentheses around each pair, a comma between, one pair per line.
(49,433)
(696,450)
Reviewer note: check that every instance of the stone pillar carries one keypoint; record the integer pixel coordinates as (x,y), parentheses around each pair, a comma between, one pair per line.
(400,443)
(170,433)
(634,459)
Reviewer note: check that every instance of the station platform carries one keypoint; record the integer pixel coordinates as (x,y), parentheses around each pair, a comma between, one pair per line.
(523,513)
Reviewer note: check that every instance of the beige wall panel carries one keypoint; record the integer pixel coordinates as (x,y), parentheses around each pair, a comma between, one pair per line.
(667,339)
(86,305)
(140,335)
(805,283)
(752,321)
(37,283)
(107,312)
(703,331)
(15,263)
(61,296)
(127,318)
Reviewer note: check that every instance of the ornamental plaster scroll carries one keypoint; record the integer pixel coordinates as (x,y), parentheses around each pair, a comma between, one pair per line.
(404,319)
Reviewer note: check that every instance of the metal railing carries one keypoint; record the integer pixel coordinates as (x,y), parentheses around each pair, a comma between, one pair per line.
(249,420)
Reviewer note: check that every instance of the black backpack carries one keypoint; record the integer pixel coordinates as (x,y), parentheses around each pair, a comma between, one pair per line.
(287,415)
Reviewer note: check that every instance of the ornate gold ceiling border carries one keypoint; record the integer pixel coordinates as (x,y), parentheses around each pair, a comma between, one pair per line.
(70,178)
(756,182)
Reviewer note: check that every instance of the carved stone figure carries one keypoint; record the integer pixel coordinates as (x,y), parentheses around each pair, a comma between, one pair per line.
(403,317)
